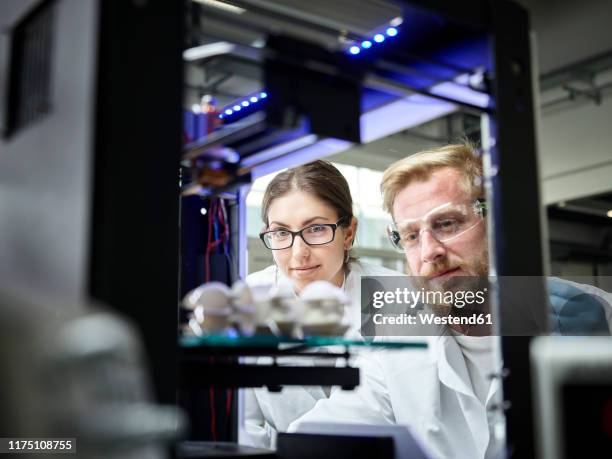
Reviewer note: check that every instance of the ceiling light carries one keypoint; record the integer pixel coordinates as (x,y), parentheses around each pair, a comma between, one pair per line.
(609,213)
(258,43)
(209,50)
(222,6)
(354,50)
(366,44)
(396,21)
(235,107)
(379,38)
(391,32)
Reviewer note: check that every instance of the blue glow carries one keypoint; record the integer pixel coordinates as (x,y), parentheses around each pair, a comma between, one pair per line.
(391,32)
(354,50)
(366,44)
(379,38)
(221,116)
(239,105)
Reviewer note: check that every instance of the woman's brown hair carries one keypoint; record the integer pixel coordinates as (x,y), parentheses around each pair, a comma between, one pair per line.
(319,178)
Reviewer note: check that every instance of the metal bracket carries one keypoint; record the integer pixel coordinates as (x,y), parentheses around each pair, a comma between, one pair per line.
(592,91)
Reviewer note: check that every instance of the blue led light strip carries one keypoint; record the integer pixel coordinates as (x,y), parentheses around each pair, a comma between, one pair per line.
(237,106)
(376,39)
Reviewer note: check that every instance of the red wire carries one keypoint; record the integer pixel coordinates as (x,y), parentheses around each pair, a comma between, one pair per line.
(228,403)
(209,241)
(222,219)
(225,239)
(216,212)
(225,224)
(211,391)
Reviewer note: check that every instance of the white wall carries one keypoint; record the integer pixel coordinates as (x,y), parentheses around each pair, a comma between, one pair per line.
(575,138)
(576,151)
(570,31)
(45,168)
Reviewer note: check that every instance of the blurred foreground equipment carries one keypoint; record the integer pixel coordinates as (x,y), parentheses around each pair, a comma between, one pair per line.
(80,376)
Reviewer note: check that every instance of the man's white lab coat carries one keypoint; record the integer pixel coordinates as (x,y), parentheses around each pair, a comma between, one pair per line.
(431,392)
(428,390)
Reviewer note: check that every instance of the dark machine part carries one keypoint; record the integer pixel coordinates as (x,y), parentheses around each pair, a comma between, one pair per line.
(134,242)
(516,213)
(211,408)
(304,79)
(306,446)
(220,450)
(587,420)
(199,374)
(29,98)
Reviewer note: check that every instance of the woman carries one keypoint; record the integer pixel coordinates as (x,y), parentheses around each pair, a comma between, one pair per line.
(310,228)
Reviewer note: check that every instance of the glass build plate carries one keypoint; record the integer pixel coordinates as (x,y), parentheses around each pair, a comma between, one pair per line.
(275,341)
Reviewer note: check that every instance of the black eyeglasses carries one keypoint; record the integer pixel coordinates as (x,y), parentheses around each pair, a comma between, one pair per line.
(319,234)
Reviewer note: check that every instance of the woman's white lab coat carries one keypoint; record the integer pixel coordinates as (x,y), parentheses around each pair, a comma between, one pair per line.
(267,413)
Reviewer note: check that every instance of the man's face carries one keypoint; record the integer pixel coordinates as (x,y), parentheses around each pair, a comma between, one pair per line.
(440,265)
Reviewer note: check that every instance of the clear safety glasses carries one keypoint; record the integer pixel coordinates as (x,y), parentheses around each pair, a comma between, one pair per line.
(445,223)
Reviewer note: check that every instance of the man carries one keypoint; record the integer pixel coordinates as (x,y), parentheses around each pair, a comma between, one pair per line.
(449,394)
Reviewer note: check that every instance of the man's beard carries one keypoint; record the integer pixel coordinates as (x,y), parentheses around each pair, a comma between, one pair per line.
(474,280)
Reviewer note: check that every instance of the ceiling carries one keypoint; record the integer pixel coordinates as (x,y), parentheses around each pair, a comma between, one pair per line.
(321,21)
(557,24)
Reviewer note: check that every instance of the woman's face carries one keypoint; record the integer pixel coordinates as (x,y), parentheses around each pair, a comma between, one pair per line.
(303,263)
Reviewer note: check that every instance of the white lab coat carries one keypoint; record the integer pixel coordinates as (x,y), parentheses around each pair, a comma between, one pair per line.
(430,391)
(267,413)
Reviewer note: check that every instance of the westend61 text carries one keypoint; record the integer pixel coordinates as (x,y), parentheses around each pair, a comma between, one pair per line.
(431,319)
